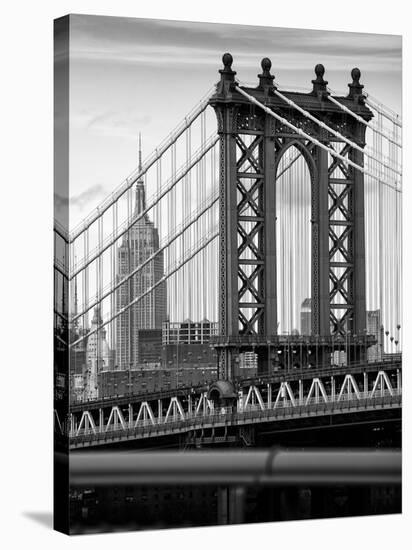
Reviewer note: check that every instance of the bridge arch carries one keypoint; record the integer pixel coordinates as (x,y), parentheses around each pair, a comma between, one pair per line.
(295,178)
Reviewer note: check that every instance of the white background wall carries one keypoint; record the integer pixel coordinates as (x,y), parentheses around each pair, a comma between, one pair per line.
(26,197)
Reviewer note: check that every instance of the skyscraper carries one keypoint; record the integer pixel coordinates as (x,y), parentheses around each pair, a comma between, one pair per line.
(138,245)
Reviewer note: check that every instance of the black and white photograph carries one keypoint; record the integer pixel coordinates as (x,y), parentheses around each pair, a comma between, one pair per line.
(227,289)
(205,274)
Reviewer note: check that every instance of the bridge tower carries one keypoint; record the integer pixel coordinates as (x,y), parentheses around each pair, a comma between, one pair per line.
(251,145)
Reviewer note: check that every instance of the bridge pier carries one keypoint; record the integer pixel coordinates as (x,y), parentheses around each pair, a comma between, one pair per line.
(253,140)
(231,505)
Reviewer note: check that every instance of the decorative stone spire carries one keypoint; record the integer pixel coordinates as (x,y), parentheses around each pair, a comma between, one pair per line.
(319,85)
(97,316)
(227,76)
(355,88)
(266,79)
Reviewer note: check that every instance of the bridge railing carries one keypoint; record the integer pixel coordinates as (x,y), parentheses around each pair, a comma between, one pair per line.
(231,415)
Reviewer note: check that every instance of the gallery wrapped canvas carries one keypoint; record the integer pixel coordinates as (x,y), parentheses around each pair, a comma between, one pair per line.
(227,274)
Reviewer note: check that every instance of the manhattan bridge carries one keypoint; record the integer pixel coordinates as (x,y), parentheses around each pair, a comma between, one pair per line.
(263,199)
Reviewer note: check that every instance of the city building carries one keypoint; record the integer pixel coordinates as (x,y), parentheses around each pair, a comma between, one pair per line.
(375,328)
(77,355)
(306,317)
(150,346)
(187,345)
(147,379)
(189,332)
(77,386)
(99,357)
(78,352)
(248,360)
(138,244)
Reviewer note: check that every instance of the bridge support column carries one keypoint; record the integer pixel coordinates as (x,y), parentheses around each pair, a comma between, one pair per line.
(359,298)
(230,505)
(269,396)
(320,246)
(332,388)
(130,414)
(300,392)
(365,384)
(270,322)
(101,421)
(159,411)
(241,401)
(398,381)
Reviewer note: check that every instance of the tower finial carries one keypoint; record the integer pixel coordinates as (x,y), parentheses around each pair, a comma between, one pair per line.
(265,78)
(355,88)
(319,84)
(227,76)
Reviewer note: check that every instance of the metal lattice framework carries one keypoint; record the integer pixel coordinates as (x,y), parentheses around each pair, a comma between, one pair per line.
(250,234)
(341,247)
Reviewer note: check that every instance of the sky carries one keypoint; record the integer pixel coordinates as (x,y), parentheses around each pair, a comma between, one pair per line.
(141,75)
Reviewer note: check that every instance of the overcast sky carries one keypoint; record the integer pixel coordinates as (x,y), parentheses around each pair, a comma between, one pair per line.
(130,75)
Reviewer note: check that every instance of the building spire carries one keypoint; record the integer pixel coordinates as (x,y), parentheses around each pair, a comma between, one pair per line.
(140,152)
(140,189)
(97,316)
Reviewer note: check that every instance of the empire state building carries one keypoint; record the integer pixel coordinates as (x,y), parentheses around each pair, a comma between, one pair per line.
(138,245)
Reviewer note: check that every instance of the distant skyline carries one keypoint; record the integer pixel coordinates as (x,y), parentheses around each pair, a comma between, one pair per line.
(129,75)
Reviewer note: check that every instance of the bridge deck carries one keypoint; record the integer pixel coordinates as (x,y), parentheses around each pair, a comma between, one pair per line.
(252,416)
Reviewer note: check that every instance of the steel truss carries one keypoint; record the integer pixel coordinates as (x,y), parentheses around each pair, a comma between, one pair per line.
(158,417)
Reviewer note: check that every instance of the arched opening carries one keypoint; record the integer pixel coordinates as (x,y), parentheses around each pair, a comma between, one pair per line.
(294,243)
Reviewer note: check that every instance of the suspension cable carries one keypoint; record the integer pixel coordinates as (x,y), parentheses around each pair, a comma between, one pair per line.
(334,132)
(190,255)
(133,219)
(362,121)
(131,180)
(314,140)
(374,104)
